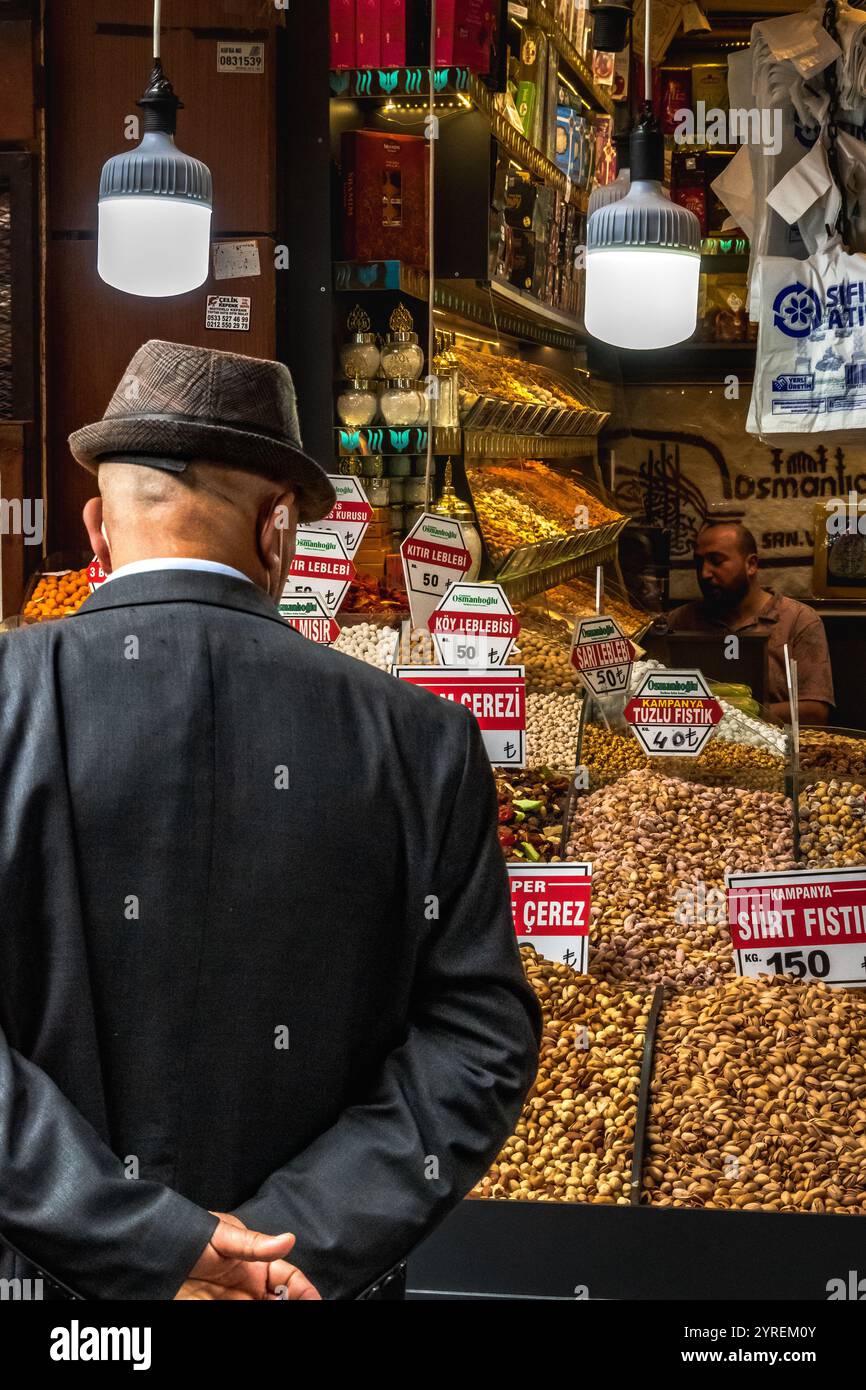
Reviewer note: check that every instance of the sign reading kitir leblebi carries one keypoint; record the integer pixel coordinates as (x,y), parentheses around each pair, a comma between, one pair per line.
(811,925)
(673,713)
(434,557)
(321,567)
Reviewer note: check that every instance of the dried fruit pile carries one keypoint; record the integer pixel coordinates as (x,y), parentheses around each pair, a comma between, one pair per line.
(531,811)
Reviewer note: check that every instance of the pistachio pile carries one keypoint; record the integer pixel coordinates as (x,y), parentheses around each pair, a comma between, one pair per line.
(574,1140)
(659,848)
(758,1099)
(833,824)
(531,810)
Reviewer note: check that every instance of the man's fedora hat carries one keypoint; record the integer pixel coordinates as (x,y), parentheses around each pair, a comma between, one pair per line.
(178,403)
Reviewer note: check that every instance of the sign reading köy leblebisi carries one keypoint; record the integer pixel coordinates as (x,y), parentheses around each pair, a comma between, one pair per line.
(550,905)
(811,925)
(602,655)
(321,567)
(434,557)
(673,713)
(474,625)
(496,698)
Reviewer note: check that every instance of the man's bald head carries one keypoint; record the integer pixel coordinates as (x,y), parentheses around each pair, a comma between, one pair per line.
(209,511)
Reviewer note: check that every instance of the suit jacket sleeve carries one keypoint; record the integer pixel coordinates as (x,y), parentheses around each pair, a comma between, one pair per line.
(66,1206)
(393,1165)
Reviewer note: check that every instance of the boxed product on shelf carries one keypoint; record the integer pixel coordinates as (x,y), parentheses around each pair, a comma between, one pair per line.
(689,185)
(710,85)
(528,73)
(465,32)
(368,33)
(385,200)
(723,311)
(343,49)
(674,93)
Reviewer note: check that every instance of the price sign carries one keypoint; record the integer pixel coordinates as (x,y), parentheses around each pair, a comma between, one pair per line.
(810,925)
(321,567)
(496,698)
(350,515)
(550,905)
(474,625)
(307,614)
(673,713)
(602,655)
(434,557)
(95,575)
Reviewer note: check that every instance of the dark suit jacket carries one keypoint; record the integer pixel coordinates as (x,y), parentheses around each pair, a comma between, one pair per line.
(255,929)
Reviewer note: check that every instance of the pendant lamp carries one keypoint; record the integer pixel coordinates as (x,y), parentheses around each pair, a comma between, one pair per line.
(155,202)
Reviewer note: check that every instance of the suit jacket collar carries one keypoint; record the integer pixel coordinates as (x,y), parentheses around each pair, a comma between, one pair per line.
(183,586)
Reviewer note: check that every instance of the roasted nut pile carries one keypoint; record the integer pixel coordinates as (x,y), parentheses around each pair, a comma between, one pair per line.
(367,642)
(833,824)
(551,730)
(659,849)
(608,754)
(574,1140)
(758,1099)
(546,661)
(531,810)
(57,595)
(833,754)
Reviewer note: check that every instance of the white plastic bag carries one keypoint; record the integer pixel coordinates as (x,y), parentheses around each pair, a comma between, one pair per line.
(810,369)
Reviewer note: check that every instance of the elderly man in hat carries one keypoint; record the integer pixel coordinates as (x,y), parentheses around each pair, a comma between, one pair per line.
(257,954)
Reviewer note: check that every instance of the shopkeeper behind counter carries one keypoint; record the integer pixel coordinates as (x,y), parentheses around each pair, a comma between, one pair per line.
(734,600)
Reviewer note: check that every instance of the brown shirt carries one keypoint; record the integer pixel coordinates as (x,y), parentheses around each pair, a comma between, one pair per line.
(785,620)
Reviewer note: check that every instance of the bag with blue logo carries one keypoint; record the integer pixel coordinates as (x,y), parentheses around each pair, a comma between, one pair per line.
(810,369)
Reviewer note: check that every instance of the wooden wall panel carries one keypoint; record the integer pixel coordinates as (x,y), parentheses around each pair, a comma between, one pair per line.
(94,331)
(17,114)
(98,60)
(13,558)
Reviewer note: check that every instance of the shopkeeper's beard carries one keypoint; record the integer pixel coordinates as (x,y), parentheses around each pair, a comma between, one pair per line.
(723,600)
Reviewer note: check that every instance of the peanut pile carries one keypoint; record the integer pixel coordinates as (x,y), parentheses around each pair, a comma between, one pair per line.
(574,1140)
(551,730)
(758,1099)
(659,848)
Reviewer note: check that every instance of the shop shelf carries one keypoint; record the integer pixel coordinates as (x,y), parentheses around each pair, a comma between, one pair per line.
(505,309)
(569,1250)
(360,277)
(530,569)
(498,444)
(387,439)
(537,12)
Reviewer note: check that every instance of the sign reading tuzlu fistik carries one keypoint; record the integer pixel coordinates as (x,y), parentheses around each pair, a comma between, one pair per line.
(673,713)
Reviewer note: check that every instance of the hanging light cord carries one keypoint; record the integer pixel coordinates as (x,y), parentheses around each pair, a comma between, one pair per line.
(157,7)
(647,59)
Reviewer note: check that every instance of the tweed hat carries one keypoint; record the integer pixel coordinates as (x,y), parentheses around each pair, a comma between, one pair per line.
(176,403)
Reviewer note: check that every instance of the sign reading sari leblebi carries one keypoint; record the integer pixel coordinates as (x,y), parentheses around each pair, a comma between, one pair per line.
(602,655)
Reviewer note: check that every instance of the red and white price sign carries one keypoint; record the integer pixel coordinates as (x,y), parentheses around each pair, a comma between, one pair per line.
(350,515)
(474,625)
(550,905)
(673,713)
(496,698)
(810,925)
(321,567)
(602,655)
(95,575)
(306,613)
(434,557)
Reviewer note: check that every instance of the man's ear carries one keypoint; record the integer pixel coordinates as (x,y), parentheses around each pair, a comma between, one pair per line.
(93,522)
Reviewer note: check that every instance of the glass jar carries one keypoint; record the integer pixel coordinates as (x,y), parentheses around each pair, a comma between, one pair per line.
(401,402)
(356,403)
(378,491)
(402,356)
(359,357)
